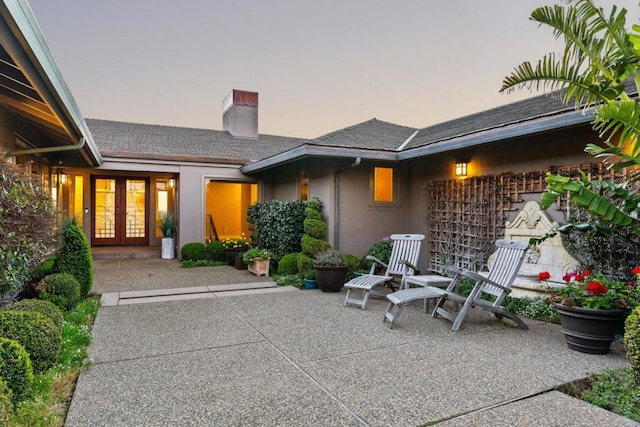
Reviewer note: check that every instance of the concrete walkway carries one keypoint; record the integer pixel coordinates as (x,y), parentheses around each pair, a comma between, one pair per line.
(285,357)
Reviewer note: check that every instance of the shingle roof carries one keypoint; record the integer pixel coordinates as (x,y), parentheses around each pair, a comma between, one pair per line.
(111,136)
(372,134)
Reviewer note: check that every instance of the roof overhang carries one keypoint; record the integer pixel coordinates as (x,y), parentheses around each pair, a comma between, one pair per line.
(313,150)
(32,88)
(529,127)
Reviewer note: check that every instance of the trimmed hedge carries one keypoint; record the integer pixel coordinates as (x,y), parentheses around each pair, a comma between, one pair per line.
(277,226)
(43,269)
(305,263)
(74,256)
(39,306)
(6,403)
(15,368)
(311,213)
(215,250)
(61,289)
(312,246)
(194,251)
(632,341)
(36,333)
(288,264)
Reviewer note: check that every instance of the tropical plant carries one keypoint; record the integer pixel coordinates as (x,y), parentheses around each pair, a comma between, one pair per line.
(168,225)
(599,62)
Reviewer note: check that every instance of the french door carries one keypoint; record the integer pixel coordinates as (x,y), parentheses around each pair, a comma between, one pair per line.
(120,211)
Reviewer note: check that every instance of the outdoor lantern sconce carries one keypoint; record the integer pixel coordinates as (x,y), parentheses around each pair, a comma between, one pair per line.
(461,169)
(63,179)
(171,183)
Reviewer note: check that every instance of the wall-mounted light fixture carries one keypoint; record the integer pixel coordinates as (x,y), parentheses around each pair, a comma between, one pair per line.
(171,183)
(461,169)
(63,179)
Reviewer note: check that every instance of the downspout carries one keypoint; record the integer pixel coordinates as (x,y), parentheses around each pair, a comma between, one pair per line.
(336,195)
(46,149)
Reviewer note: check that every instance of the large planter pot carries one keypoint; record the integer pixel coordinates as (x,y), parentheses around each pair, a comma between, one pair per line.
(260,267)
(589,330)
(330,279)
(230,256)
(168,248)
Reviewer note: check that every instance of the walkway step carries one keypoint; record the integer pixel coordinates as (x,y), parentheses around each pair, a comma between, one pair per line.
(196,292)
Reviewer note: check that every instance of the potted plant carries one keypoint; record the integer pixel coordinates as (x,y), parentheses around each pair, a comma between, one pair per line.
(309,278)
(258,261)
(232,247)
(591,308)
(331,270)
(168,228)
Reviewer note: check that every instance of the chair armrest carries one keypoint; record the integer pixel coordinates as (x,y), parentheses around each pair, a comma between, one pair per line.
(376,260)
(411,266)
(478,277)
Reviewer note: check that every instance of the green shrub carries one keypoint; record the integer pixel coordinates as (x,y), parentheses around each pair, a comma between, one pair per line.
(27,228)
(615,390)
(43,269)
(288,264)
(15,368)
(39,306)
(311,213)
(74,256)
(353,264)
(380,250)
(315,204)
(295,280)
(305,263)
(534,308)
(62,285)
(215,250)
(37,334)
(194,251)
(315,228)
(632,341)
(277,226)
(312,246)
(6,403)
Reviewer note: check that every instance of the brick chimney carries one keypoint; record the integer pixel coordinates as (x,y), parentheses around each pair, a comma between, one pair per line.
(240,114)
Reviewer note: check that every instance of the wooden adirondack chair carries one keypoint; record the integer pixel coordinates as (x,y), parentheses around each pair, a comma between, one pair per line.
(402,263)
(509,258)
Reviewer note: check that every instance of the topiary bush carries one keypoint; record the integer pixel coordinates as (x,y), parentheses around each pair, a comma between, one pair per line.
(15,369)
(74,256)
(305,263)
(36,333)
(27,224)
(632,341)
(311,213)
(43,269)
(312,246)
(315,228)
(40,306)
(194,251)
(288,264)
(61,289)
(6,403)
(215,250)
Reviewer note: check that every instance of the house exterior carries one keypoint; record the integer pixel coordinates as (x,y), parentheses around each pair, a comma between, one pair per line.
(374,178)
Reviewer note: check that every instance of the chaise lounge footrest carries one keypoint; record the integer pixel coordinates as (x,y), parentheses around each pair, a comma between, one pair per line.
(398,299)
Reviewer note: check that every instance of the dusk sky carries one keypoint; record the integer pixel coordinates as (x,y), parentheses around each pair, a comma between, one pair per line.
(318,65)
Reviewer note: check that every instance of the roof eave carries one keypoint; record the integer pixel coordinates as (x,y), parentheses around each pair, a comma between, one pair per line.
(529,127)
(307,150)
(23,33)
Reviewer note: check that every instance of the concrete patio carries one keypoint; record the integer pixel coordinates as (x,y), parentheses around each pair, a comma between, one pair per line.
(280,356)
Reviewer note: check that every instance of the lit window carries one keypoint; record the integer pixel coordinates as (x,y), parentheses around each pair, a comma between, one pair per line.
(383,185)
(303,186)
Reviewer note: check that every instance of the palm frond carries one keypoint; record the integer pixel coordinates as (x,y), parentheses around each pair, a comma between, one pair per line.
(621,119)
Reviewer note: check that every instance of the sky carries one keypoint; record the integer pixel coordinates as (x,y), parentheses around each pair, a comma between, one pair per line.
(318,66)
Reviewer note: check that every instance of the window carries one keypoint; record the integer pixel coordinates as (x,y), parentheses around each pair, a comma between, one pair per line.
(303,186)
(383,185)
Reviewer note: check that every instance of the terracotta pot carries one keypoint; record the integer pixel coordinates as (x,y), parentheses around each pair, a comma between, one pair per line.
(589,330)
(260,267)
(330,279)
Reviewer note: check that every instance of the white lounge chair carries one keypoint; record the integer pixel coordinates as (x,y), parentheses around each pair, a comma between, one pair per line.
(402,263)
(509,258)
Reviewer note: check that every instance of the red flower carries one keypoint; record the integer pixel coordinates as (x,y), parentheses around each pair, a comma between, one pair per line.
(596,288)
(586,273)
(636,270)
(567,277)
(544,275)
(579,277)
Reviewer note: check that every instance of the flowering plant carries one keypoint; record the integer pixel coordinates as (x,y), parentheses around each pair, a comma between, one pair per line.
(256,254)
(588,290)
(240,244)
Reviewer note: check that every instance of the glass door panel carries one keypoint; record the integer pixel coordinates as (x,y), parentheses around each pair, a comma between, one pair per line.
(135,209)
(105,209)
